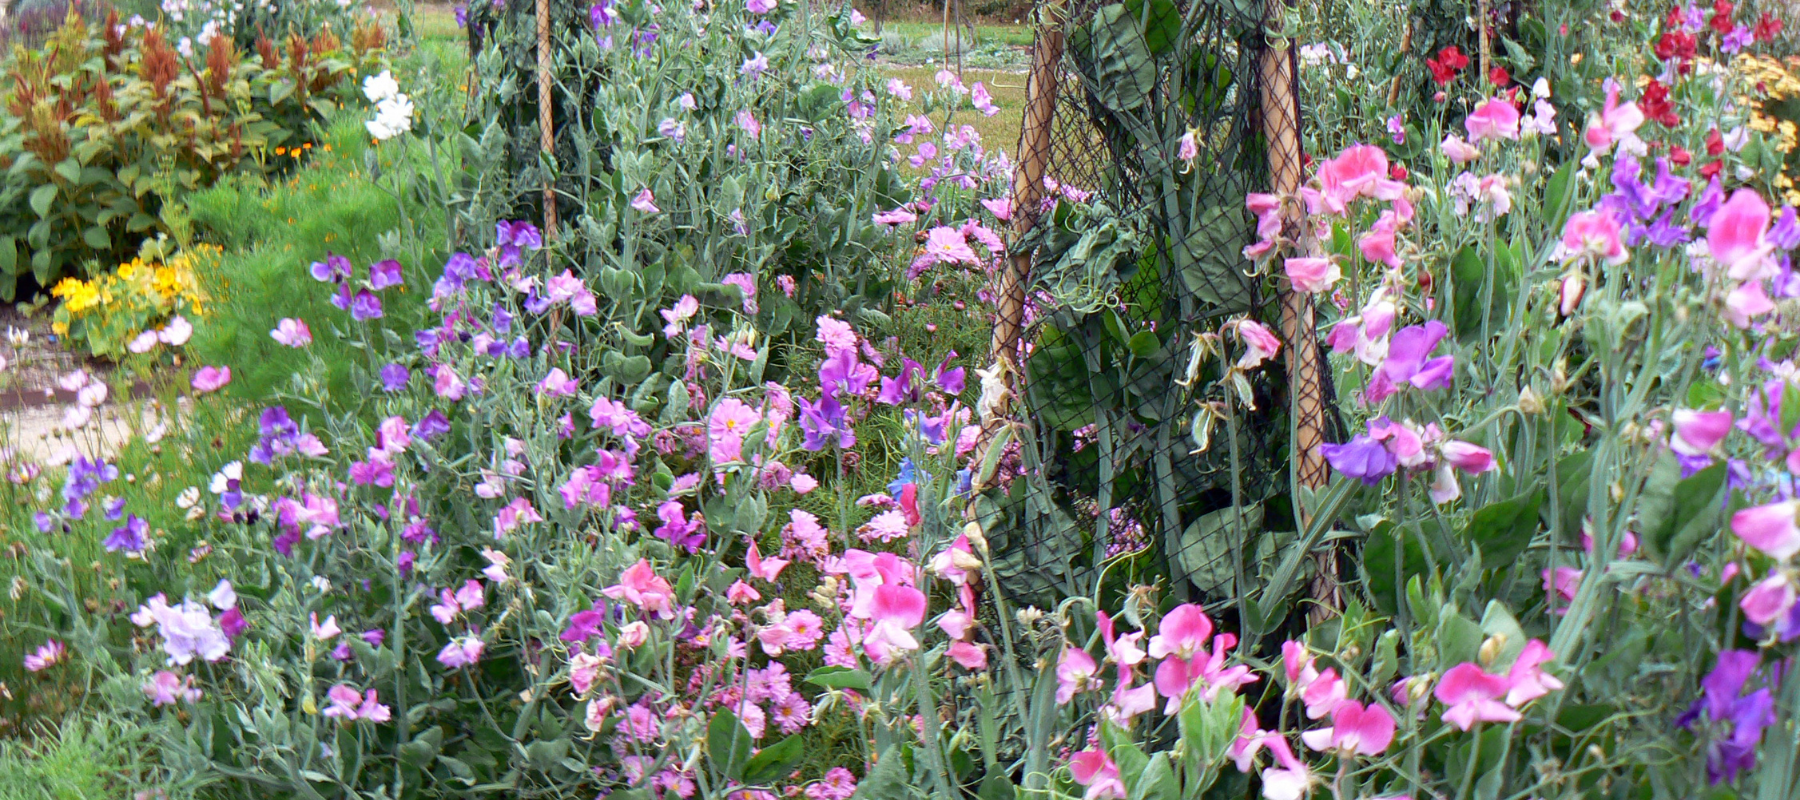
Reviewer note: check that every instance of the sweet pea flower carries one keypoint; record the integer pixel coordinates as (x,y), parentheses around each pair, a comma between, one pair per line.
(1698,432)
(1594,233)
(1495,118)
(1527,676)
(1458,151)
(1770,528)
(1362,458)
(1094,770)
(292,333)
(211,379)
(645,202)
(1736,236)
(461,652)
(1472,696)
(640,586)
(1355,730)
(1076,672)
(1612,123)
(348,704)
(167,688)
(1260,344)
(1313,274)
(1182,633)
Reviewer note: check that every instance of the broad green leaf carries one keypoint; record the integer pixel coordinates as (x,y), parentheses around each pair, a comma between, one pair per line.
(1157,781)
(841,678)
(1697,513)
(1498,620)
(1385,544)
(727,743)
(775,761)
(41,198)
(1124,69)
(1205,548)
(886,781)
(1458,640)
(1161,25)
(1503,530)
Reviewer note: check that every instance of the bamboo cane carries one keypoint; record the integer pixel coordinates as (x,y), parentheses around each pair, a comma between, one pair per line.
(1305,364)
(546,121)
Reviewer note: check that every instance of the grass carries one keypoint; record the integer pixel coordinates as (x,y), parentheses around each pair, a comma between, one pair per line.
(1000,131)
(81,761)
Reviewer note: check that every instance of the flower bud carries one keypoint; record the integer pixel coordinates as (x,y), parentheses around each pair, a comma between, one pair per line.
(1530,402)
(1490,649)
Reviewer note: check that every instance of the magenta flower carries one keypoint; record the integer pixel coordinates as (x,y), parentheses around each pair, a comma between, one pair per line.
(1093,769)
(1315,274)
(1770,528)
(1186,149)
(1769,599)
(1495,118)
(1458,151)
(292,333)
(1473,696)
(348,704)
(365,306)
(640,586)
(1355,730)
(844,374)
(166,688)
(1527,676)
(211,379)
(645,202)
(1182,633)
(746,284)
(1260,344)
(1595,234)
(1698,432)
(1359,171)
(895,611)
(461,652)
(948,246)
(729,421)
(557,384)
(46,656)
(1736,235)
(1612,123)
(514,514)
(895,218)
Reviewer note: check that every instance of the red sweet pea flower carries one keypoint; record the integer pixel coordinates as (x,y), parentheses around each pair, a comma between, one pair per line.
(1446,65)
(1655,104)
(1721,19)
(1767,28)
(1680,155)
(1498,76)
(1715,144)
(1711,168)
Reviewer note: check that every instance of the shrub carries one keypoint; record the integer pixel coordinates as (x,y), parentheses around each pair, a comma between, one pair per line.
(108,127)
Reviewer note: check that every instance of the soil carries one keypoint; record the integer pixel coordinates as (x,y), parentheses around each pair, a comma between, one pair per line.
(32,406)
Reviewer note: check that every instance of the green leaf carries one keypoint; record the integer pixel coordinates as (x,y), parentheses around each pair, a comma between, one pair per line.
(423,748)
(1124,69)
(41,198)
(1157,781)
(1386,543)
(727,743)
(887,781)
(1696,513)
(1144,344)
(1557,194)
(1161,28)
(1131,759)
(775,761)
(1498,620)
(1205,548)
(1503,530)
(1458,640)
(544,754)
(97,238)
(996,787)
(841,678)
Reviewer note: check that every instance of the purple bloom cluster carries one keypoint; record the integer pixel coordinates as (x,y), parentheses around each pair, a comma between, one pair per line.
(359,300)
(1647,209)
(1736,719)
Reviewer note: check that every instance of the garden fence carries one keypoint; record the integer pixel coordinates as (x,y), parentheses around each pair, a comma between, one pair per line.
(1124,251)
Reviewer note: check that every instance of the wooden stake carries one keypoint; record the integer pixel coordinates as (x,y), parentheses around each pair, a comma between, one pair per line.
(1487,45)
(546,120)
(1280,115)
(1028,181)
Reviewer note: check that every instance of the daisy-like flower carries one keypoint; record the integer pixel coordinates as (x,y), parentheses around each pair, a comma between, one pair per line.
(46,656)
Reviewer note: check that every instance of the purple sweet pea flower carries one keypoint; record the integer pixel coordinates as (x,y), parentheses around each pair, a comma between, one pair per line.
(431,426)
(1361,458)
(462,16)
(895,391)
(1711,198)
(334,269)
(841,372)
(1785,233)
(394,377)
(823,422)
(383,274)
(232,622)
(583,625)
(1407,362)
(1739,720)
(130,537)
(365,307)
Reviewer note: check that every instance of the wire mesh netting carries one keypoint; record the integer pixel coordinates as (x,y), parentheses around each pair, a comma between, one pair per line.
(1148,123)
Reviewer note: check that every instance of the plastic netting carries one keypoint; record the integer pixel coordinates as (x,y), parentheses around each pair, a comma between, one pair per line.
(1130,460)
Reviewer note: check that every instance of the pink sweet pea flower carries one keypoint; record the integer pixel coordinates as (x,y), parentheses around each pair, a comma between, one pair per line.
(1473,696)
(896,610)
(1769,599)
(1747,302)
(639,585)
(1458,151)
(1770,528)
(1259,344)
(1612,123)
(1494,119)
(557,384)
(1360,171)
(1527,676)
(211,379)
(1312,274)
(292,333)
(645,202)
(1182,633)
(970,656)
(1355,729)
(461,652)
(1324,694)
(1076,672)
(1473,459)
(1736,235)
(1093,769)
(1698,432)
(1290,779)
(1594,233)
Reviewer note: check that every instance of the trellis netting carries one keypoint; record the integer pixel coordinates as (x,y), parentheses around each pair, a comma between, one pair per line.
(1149,123)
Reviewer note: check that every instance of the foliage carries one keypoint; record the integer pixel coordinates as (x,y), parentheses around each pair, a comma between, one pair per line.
(108,127)
(115,311)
